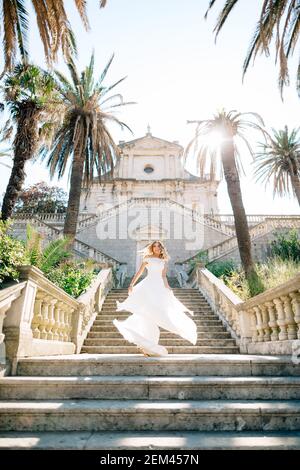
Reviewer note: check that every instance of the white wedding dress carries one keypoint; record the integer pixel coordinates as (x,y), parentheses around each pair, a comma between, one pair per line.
(152,306)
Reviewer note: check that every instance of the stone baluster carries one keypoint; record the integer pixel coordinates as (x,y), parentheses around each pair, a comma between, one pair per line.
(61,321)
(265,322)
(44,324)
(56,322)
(51,321)
(70,323)
(272,321)
(37,316)
(289,317)
(281,319)
(253,325)
(66,324)
(259,324)
(296,306)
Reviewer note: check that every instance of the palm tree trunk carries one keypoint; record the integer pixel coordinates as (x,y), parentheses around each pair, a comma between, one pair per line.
(25,144)
(240,219)
(296,183)
(74,197)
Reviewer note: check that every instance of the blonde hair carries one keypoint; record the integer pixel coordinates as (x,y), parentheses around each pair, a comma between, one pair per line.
(148,250)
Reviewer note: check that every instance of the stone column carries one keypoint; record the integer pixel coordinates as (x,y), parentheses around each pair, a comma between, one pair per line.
(17,325)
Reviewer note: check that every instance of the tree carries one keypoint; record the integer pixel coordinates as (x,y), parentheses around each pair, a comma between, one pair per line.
(52,22)
(279,19)
(5,133)
(223,129)
(279,160)
(83,136)
(29,93)
(41,198)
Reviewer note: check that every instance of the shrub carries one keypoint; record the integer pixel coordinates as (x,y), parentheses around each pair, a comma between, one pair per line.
(12,254)
(72,277)
(286,245)
(220,268)
(201,257)
(274,271)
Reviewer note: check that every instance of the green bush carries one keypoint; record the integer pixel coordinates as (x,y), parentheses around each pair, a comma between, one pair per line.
(12,254)
(286,245)
(220,268)
(273,272)
(72,277)
(201,257)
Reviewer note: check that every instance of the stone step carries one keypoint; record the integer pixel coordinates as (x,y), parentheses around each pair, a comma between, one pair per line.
(178,289)
(112,329)
(199,322)
(152,388)
(136,415)
(195,296)
(145,440)
(190,304)
(171,349)
(112,315)
(237,365)
(206,310)
(163,341)
(163,335)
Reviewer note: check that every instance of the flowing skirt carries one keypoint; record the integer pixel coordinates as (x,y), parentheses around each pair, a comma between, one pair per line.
(152,306)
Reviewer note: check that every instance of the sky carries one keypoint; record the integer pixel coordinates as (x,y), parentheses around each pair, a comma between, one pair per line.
(176,72)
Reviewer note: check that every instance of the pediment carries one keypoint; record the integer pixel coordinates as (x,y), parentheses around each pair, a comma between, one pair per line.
(150,142)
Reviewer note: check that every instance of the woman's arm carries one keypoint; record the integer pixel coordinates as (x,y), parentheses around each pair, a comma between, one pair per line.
(164,275)
(137,275)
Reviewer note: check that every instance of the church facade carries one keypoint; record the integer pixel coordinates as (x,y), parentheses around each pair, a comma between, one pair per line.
(150,196)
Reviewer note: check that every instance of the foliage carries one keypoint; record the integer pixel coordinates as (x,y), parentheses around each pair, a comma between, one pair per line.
(224,125)
(45,258)
(220,268)
(12,254)
(279,160)
(200,258)
(274,271)
(53,26)
(86,111)
(286,245)
(73,278)
(28,84)
(277,19)
(41,198)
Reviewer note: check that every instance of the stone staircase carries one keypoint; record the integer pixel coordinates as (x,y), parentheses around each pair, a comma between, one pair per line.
(213,338)
(130,402)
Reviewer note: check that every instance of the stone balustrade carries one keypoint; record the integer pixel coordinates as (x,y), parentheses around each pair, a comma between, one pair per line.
(268,323)
(227,246)
(156,202)
(41,319)
(251,218)
(221,299)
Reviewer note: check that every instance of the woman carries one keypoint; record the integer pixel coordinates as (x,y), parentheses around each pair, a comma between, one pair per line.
(154,305)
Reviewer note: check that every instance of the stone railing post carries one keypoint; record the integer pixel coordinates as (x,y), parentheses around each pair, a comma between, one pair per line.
(17,325)
(7,297)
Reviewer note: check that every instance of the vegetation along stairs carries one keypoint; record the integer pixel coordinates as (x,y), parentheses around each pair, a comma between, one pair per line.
(104,338)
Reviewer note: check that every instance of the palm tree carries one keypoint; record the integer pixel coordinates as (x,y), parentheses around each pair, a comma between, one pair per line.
(279,159)
(225,126)
(5,133)
(279,19)
(28,91)
(52,22)
(83,136)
